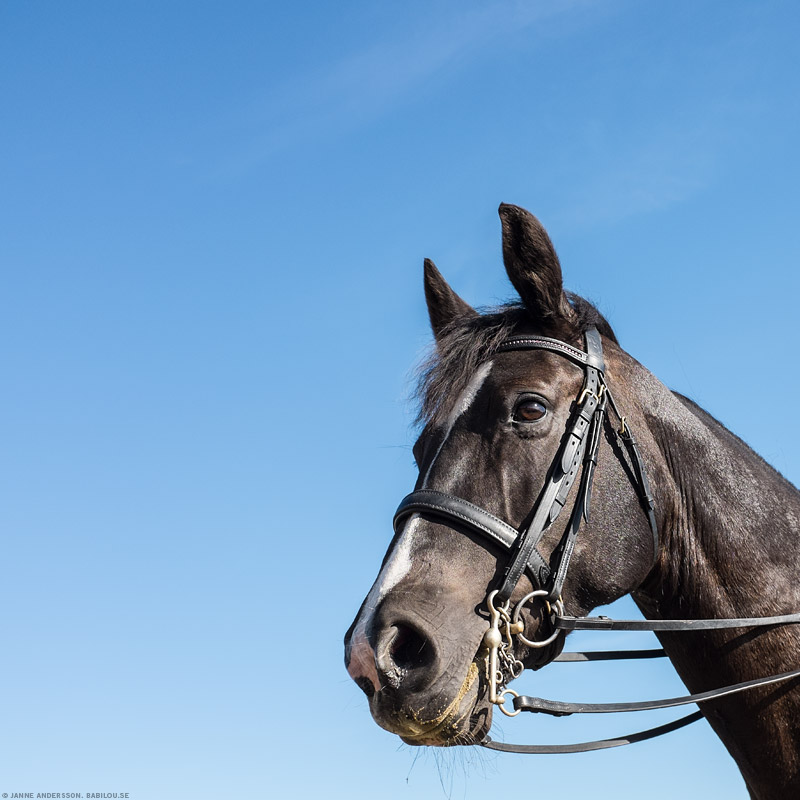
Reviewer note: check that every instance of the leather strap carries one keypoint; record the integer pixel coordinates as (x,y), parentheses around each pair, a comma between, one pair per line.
(643,484)
(599,744)
(557,708)
(477,519)
(567,623)
(545,514)
(555,346)
(577,656)
(580,510)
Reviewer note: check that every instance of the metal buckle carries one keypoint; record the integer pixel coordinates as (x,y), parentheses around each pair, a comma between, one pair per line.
(587,392)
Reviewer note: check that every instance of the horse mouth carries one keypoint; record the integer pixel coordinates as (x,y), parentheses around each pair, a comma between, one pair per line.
(466,730)
(462,722)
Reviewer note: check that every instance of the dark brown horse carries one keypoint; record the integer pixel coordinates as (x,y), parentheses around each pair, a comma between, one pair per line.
(492,422)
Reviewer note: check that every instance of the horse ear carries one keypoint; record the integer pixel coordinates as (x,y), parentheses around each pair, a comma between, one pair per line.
(444,305)
(532,264)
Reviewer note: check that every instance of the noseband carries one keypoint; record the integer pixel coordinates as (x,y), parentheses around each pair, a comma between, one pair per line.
(576,455)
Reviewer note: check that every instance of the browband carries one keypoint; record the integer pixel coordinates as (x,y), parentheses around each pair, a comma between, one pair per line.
(591,359)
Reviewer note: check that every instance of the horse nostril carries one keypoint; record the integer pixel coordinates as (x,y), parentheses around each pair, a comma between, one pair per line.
(409,649)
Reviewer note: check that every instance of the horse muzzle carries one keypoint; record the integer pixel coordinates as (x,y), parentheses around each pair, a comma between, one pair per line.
(409,691)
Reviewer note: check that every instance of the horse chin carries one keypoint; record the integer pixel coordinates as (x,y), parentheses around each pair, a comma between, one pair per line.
(464,721)
(469,729)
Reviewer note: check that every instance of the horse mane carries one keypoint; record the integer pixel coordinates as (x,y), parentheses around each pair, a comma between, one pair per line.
(471,340)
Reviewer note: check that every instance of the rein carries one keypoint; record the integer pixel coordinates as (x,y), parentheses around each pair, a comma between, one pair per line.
(577,454)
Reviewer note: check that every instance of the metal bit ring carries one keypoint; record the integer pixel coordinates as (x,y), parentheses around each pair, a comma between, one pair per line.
(501,701)
(556,610)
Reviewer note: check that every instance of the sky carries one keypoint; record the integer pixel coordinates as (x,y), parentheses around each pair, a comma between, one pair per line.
(214,217)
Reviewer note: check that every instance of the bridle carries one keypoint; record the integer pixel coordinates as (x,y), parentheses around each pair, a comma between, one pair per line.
(577,454)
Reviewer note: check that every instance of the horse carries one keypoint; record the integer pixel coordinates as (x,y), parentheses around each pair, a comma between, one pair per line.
(499,420)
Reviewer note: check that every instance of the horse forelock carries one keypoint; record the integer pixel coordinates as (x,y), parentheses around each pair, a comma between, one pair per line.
(470,341)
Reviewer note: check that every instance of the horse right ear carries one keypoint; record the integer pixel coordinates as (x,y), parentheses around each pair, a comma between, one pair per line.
(444,305)
(532,264)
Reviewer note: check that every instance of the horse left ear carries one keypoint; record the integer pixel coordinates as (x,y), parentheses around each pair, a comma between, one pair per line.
(532,264)
(444,305)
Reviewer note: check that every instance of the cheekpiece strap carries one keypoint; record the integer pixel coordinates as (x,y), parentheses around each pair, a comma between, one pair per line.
(568,460)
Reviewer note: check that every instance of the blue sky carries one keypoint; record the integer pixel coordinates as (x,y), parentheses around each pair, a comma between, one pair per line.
(214,217)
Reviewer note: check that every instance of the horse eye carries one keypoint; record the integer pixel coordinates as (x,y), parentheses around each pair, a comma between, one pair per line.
(529,411)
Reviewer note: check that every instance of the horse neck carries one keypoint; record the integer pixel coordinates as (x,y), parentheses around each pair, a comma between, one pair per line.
(730,526)
(729,521)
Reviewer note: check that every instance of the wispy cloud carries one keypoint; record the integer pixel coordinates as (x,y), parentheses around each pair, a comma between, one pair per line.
(339,97)
(664,168)
(663,152)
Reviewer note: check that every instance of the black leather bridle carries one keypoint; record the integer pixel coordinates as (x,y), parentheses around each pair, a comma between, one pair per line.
(577,455)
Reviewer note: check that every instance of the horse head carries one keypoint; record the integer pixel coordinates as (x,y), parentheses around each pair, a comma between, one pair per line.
(494,420)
